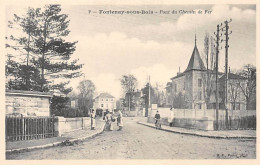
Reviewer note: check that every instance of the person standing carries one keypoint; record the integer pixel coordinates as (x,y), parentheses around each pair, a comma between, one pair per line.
(171,117)
(93,119)
(120,120)
(108,119)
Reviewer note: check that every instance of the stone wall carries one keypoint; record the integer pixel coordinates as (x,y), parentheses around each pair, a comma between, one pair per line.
(63,125)
(204,119)
(27,103)
(197,119)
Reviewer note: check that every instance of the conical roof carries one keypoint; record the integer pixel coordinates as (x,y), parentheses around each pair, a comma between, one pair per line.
(196,62)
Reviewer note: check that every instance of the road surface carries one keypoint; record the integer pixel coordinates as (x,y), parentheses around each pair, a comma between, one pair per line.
(141,142)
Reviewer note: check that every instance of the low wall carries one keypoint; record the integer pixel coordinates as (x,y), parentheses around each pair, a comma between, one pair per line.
(205,119)
(200,124)
(164,121)
(131,113)
(63,125)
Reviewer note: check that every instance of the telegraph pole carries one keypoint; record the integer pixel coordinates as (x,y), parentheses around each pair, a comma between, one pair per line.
(217,52)
(226,69)
(149,98)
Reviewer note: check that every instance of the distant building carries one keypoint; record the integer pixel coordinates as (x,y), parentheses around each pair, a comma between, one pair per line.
(192,85)
(105,101)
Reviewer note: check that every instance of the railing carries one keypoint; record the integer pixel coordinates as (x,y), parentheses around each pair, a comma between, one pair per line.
(18,127)
(236,123)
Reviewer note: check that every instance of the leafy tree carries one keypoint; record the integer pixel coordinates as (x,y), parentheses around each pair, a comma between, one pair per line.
(129,84)
(153,97)
(179,101)
(58,105)
(22,45)
(45,31)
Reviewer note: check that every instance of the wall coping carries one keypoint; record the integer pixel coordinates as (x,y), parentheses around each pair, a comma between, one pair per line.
(28,93)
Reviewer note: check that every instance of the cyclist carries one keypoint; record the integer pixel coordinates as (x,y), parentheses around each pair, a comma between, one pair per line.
(157,119)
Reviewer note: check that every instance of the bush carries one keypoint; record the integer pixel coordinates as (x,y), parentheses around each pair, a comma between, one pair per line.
(59,103)
(71,112)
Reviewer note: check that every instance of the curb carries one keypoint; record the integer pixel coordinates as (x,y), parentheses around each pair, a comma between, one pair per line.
(199,135)
(55,143)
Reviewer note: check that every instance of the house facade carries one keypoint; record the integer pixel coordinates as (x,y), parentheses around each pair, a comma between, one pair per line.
(196,86)
(105,101)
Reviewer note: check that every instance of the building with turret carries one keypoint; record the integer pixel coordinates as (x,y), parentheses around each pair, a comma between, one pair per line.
(195,87)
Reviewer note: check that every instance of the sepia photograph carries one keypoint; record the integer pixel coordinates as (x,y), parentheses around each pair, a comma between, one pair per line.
(130,82)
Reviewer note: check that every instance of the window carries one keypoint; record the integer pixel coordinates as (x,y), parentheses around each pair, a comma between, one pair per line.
(101,99)
(102,105)
(184,86)
(111,99)
(199,106)
(106,99)
(199,82)
(236,106)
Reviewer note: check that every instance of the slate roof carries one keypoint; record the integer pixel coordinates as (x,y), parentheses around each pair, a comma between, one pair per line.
(195,62)
(177,76)
(105,95)
(232,76)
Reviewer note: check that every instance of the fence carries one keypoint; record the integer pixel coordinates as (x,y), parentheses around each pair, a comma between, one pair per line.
(27,128)
(237,119)
(236,122)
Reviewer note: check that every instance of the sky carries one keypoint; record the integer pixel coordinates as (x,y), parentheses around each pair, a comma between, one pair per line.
(154,45)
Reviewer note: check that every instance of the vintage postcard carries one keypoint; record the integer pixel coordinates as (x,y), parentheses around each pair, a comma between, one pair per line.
(129,83)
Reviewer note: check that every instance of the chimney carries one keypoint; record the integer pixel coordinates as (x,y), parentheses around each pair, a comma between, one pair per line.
(178,73)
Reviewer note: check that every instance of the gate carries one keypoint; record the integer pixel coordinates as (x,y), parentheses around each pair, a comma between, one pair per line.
(19,128)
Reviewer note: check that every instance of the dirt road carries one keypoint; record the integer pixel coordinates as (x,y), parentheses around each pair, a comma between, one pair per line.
(140,142)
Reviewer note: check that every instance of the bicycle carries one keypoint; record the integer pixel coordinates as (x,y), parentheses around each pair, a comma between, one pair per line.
(157,124)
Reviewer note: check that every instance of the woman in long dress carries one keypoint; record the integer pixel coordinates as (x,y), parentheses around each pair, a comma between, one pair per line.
(108,119)
(93,119)
(120,120)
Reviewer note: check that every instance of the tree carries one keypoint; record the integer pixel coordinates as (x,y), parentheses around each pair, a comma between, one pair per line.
(87,90)
(22,45)
(208,79)
(234,91)
(153,98)
(129,84)
(249,88)
(179,101)
(45,31)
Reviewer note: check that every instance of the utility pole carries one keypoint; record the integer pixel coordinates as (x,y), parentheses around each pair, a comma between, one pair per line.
(129,103)
(226,69)
(217,52)
(149,99)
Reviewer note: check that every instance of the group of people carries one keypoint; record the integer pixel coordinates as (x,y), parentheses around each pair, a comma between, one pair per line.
(109,119)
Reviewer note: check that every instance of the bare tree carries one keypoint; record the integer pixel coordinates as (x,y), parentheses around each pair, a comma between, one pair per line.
(209,76)
(234,91)
(87,89)
(249,89)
